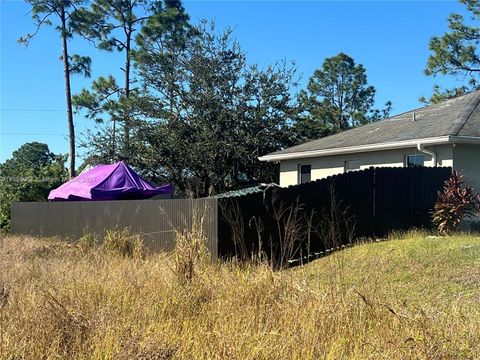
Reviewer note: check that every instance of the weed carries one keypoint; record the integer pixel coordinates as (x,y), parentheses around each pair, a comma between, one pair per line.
(123,243)
(190,250)
(87,241)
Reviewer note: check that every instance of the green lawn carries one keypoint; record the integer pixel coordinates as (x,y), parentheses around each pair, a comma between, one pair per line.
(418,269)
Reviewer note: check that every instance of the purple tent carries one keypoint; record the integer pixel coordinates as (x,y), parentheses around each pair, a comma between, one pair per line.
(108,182)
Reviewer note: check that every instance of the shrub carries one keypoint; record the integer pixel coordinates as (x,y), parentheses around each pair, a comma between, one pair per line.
(454,203)
(121,242)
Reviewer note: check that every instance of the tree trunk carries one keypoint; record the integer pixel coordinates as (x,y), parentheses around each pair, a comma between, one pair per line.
(68,95)
(126,124)
(113,158)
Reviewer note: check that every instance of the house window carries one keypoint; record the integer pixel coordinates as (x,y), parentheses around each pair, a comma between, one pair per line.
(352,165)
(414,160)
(305,173)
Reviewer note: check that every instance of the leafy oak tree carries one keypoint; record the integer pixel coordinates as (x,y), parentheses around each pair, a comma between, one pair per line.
(338,97)
(208,114)
(29,175)
(48,12)
(455,53)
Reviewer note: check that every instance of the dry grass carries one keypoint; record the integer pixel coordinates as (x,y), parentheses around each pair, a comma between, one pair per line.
(410,297)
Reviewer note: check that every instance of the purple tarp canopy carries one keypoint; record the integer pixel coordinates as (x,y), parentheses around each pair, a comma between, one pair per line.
(108,182)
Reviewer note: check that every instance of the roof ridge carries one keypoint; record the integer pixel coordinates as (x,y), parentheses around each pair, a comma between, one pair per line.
(448,118)
(406,112)
(425,107)
(462,119)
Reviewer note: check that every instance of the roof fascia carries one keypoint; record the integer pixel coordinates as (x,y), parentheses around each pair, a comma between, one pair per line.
(358,149)
(465,139)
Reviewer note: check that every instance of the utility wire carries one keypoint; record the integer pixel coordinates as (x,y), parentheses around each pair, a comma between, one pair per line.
(28,134)
(40,110)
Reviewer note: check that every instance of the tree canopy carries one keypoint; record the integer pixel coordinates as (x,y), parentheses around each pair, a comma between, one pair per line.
(190,109)
(200,115)
(208,114)
(112,25)
(29,175)
(455,53)
(338,97)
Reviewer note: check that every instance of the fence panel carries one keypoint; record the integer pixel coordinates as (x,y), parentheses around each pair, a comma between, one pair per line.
(404,198)
(379,200)
(155,220)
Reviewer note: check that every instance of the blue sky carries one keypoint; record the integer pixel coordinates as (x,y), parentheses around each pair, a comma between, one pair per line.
(390,38)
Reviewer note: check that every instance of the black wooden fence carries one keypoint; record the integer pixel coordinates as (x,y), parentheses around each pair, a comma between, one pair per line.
(330,212)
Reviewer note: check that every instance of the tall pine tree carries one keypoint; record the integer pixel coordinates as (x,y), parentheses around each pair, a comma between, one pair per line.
(112,25)
(338,97)
(48,12)
(455,53)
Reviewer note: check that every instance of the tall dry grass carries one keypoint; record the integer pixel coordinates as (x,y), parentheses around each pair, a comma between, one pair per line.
(64,303)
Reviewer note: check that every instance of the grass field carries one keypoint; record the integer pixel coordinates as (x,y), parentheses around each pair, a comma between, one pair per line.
(413,296)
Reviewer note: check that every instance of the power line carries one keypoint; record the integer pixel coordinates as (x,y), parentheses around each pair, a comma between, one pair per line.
(29,110)
(28,134)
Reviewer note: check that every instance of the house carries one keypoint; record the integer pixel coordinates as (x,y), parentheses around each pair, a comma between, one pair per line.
(444,134)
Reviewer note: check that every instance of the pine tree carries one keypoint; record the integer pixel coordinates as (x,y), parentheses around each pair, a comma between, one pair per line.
(111,25)
(338,97)
(47,12)
(455,53)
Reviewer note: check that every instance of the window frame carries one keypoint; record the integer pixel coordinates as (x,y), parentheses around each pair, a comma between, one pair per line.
(407,156)
(346,162)
(300,166)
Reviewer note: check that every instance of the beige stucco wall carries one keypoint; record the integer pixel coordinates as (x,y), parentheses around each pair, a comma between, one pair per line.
(466,158)
(332,165)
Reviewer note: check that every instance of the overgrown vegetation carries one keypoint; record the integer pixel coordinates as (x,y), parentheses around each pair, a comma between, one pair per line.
(286,231)
(123,243)
(29,175)
(414,296)
(87,242)
(190,251)
(454,204)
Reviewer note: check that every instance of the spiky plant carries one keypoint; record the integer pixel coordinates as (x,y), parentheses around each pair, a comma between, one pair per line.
(454,203)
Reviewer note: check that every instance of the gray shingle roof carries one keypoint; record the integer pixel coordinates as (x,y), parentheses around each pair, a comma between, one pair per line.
(456,117)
